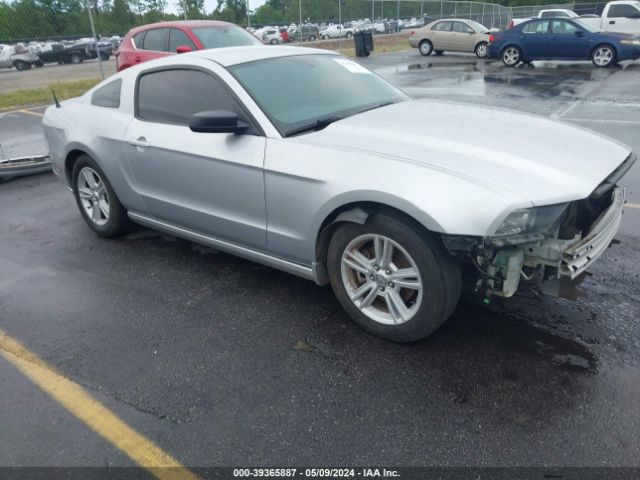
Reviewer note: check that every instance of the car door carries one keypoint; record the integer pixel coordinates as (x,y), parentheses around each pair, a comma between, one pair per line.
(210,183)
(569,41)
(440,35)
(623,18)
(536,40)
(461,37)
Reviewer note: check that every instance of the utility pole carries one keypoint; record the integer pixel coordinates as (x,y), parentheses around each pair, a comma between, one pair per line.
(95,39)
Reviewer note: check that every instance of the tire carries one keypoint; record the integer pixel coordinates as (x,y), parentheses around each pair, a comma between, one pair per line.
(511,55)
(104,56)
(481,50)
(312,38)
(21,65)
(274,41)
(349,34)
(39,64)
(110,223)
(604,56)
(75,59)
(425,47)
(424,309)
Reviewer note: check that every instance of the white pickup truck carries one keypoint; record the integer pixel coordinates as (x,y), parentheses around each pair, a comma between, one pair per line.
(622,16)
(336,31)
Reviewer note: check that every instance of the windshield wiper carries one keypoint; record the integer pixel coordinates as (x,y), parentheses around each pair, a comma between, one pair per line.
(314,126)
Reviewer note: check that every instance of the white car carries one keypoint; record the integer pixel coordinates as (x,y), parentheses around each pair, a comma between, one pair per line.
(339,177)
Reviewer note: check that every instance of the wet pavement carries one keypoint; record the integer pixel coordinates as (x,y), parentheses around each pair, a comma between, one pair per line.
(224,362)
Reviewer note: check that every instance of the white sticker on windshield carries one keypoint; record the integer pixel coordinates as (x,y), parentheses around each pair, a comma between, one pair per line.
(352,66)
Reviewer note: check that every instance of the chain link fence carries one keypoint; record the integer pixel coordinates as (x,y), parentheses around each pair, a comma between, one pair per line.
(35,33)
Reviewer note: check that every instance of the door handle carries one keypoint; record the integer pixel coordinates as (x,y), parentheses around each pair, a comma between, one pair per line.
(137,59)
(611,22)
(140,143)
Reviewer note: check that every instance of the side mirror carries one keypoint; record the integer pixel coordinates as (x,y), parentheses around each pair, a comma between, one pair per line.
(217,121)
(184,49)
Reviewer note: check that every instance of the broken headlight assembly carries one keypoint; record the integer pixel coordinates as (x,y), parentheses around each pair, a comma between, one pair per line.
(528,224)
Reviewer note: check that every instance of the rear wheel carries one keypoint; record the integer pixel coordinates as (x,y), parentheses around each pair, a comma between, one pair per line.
(349,34)
(481,50)
(75,58)
(393,279)
(96,199)
(425,47)
(603,56)
(274,41)
(312,38)
(21,65)
(511,56)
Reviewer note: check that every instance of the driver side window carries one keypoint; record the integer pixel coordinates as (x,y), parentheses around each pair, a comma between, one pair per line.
(173,95)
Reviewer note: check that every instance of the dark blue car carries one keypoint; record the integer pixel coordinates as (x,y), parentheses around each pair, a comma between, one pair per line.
(562,39)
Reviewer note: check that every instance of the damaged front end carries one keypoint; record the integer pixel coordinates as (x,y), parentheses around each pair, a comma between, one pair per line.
(549,246)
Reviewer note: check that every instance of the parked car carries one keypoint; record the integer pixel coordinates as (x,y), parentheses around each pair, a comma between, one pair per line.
(336,31)
(19,57)
(548,13)
(158,40)
(622,16)
(61,53)
(104,49)
(452,35)
(271,36)
(307,33)
(339,177)
(562,39)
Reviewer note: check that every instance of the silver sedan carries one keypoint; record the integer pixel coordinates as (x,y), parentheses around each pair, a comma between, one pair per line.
(339,177)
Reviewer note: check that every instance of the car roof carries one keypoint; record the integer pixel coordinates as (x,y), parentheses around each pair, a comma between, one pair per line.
(180,24)
(229,56)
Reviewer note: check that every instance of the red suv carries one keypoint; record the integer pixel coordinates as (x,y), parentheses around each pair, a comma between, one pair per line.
(166,38)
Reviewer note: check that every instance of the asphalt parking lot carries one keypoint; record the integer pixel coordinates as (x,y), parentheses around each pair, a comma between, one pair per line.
(219,361)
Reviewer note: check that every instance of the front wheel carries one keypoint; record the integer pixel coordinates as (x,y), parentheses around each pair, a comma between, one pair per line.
(425,47)
(312,38)
(511,56)
(482,50)
(393,279)
(96,199)
(349,34)
(603,56)
(75,59)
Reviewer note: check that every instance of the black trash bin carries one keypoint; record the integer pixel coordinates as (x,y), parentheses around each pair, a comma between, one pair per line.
(360,44)
(368,42)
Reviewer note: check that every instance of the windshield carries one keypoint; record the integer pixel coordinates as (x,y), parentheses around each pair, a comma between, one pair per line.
(224,36)
(587,26)
(477,26)
(306,90)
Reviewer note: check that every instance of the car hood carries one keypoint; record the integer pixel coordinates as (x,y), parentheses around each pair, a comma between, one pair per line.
(540,160)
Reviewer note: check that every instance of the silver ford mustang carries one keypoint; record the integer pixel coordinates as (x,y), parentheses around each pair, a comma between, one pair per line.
(306,161)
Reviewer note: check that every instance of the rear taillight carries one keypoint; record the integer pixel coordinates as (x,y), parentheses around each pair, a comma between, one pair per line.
(492,37)
(412,32)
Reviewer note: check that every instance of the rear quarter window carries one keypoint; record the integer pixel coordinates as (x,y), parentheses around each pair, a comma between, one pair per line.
(108,96)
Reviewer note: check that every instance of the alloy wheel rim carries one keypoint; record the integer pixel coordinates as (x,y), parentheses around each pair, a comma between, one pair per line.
(603,56)
(93,196)
(425,48)
(381,279)
(482,51)
(511,56)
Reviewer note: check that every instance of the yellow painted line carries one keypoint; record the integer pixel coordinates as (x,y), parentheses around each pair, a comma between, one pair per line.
(92,413)
(632,205)
(29,112)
